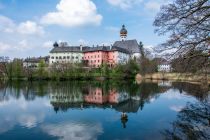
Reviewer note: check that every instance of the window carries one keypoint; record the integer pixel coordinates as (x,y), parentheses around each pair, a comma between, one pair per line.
(98,61)
(68,57)
(98,56)
(52,57)
(72,57)
(76,57)
(60,57)
(56,57)
(64,57)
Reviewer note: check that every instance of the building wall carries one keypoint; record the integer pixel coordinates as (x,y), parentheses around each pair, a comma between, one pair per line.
(97,58)
(30,64)
(164,67)
(67,57)
(122,58)
(135,55)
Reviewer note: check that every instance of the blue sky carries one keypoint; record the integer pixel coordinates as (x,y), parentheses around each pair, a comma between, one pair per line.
(29,27)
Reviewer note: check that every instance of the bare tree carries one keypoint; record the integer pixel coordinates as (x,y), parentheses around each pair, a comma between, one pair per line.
(187,22)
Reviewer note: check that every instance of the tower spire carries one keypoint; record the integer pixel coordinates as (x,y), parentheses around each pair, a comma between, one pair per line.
(123,33)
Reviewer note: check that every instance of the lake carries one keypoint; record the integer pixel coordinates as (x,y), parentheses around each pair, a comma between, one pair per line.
(93,110)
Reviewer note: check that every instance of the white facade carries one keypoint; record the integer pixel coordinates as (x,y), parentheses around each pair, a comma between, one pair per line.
(122,58)
(164,68)
(66,57)
(30,64)
(135,55)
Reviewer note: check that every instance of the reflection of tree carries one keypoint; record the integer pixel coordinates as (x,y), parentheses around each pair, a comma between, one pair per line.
(29,90)
(196,90)
(193,122)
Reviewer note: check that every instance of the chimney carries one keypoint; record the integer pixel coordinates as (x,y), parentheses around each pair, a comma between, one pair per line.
(110,46)
(81,47)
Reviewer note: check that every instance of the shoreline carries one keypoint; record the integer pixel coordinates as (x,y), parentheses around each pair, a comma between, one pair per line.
(179,77)
(173,77)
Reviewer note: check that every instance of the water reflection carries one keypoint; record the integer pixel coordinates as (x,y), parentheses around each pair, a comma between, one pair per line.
(118,97)
(193,123)
(101,110)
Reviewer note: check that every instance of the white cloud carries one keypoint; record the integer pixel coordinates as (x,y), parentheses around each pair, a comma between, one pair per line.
(152,5)
(73,13)
(29,28)
(48,44)
(124,4)
(28,120)
(7,25)
(27,117)
(25,28)
(22,45)
(4,47)
(72,131)
(176,108)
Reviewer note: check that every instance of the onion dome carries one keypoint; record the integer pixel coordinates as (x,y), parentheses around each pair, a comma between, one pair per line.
(55,44)
(123,31)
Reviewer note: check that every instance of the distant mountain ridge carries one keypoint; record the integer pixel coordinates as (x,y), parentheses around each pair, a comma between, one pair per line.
(159,52)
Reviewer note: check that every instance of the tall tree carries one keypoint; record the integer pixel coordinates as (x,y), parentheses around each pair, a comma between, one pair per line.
(188,24)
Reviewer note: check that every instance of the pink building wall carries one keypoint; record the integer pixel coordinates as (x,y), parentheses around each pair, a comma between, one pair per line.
(113,96)
(95,96)
(97,58)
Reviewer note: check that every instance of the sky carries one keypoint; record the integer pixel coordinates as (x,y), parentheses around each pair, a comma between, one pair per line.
(28,28)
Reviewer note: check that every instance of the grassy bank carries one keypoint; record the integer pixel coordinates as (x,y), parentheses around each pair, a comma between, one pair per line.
(183,77)
(16,71)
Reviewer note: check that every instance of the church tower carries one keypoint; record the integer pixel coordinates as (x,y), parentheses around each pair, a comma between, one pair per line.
(123,33)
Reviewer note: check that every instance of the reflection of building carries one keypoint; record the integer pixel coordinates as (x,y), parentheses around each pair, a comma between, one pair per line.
(74,97)
(164,83)
(116,97)
(66,98)
(97,96)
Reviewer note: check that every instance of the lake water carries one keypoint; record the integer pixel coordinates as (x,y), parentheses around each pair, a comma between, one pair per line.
(92,111)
